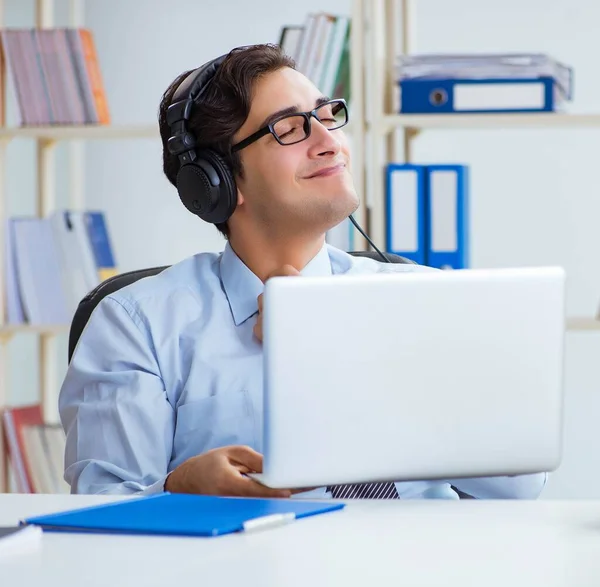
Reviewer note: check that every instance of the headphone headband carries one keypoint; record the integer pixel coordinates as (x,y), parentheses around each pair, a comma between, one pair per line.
(195,84)
(189,91)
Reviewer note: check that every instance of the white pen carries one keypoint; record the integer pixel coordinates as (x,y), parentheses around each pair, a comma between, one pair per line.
(269,521)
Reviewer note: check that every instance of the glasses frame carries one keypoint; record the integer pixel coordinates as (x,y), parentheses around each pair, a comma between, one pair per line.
(270,128)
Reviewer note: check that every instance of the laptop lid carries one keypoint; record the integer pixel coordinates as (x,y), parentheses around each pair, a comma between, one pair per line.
(412,376)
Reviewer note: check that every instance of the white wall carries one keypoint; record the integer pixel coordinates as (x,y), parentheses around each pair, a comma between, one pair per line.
(534,193)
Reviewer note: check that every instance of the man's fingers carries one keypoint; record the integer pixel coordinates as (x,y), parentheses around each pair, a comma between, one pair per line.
(258,330)
(302,490)
(284,271)
(250,488)
(244,455)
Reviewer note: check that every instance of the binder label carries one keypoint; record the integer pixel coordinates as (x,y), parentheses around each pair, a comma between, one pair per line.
(443,190)
(404,211)
(505,96)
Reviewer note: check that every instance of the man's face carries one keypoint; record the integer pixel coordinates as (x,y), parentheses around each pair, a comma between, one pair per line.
(300,189)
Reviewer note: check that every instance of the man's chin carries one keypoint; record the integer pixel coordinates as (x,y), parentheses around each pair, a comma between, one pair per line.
(337,214)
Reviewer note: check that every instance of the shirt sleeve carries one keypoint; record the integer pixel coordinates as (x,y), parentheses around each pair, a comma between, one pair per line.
(517,487)
(113,406)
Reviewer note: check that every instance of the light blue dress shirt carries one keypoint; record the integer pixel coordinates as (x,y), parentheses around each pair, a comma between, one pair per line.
(168,368)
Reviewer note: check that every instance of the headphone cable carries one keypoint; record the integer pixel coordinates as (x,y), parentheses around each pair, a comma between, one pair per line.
(385,259)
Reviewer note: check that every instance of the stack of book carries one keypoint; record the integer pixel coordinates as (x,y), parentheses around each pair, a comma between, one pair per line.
(321,50)
(52,263)
(55,75)
(477,83)
(35,450)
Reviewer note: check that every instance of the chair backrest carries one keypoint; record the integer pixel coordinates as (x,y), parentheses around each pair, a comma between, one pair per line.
(115,283)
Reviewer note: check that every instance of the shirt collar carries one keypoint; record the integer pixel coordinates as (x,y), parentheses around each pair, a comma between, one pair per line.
(242,287)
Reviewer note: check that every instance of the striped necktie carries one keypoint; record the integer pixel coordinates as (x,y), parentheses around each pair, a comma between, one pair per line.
(365,491)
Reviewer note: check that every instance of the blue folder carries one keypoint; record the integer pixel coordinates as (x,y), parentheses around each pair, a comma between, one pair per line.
(406,214)
(439,96)
(182,515)
(448,216)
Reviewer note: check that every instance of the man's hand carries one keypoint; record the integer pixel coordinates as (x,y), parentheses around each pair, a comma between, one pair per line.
(221,472)
(286,270)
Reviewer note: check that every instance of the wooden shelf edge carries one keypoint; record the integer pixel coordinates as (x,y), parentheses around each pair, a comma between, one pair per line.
(9,330)
(486,121)
(583,323)
(81,132)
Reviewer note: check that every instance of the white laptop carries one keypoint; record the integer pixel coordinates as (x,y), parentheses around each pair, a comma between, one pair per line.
(412,376)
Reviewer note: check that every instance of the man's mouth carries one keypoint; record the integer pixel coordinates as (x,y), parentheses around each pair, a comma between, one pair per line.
(327,171)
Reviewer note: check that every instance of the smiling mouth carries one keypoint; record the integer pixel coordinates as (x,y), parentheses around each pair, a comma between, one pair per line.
(328,171)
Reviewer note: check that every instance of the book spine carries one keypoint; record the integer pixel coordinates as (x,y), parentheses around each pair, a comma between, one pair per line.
(93,70)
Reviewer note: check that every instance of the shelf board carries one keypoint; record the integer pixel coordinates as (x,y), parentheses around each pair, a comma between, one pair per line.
(9,330)
(488,121)
(83,132)
(583,323)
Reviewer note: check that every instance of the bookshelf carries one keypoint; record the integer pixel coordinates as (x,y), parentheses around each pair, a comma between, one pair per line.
(46,139)
(390,26)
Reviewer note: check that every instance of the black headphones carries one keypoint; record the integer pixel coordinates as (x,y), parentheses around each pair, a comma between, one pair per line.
(205,182)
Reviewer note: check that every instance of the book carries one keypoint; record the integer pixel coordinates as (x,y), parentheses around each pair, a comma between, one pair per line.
(173,514)
(35,450)
(52,263)
(320,48)
(14,420)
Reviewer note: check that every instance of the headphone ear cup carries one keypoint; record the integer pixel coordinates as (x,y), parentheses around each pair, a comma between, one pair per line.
(207,187)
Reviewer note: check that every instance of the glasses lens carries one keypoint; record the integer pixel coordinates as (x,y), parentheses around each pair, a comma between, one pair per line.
(290,129)
(333,115)
(293,129)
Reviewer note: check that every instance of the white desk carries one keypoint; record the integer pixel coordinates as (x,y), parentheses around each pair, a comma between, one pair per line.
(409,543)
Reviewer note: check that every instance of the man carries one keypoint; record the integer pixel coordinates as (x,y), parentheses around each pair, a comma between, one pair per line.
(164,390)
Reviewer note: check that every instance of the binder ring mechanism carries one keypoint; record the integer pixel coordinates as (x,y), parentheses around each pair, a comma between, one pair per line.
(438,97)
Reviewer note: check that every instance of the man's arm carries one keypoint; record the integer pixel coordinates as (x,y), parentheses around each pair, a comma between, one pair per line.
(114,407)
(120,424)
(518,487)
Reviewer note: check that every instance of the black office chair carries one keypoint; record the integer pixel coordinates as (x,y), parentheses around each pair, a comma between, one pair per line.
(92,299)
(113,284)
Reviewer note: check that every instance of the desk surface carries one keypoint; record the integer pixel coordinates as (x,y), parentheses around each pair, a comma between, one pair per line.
(446,543)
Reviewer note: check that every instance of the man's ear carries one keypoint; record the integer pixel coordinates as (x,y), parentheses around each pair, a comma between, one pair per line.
(240,197)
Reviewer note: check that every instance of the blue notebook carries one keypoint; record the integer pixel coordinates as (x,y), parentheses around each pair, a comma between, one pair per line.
(183,515)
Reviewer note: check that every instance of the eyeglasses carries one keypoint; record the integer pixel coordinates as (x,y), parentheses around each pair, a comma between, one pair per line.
(294,128)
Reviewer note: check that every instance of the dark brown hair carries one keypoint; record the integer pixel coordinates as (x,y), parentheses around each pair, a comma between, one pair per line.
(224,106)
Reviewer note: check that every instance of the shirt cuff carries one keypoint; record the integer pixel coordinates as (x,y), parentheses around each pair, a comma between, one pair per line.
(155,488)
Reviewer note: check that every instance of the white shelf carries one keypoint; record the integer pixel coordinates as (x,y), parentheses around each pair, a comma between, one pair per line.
(487,121)
(582,323)
(81,132)
(9,330)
